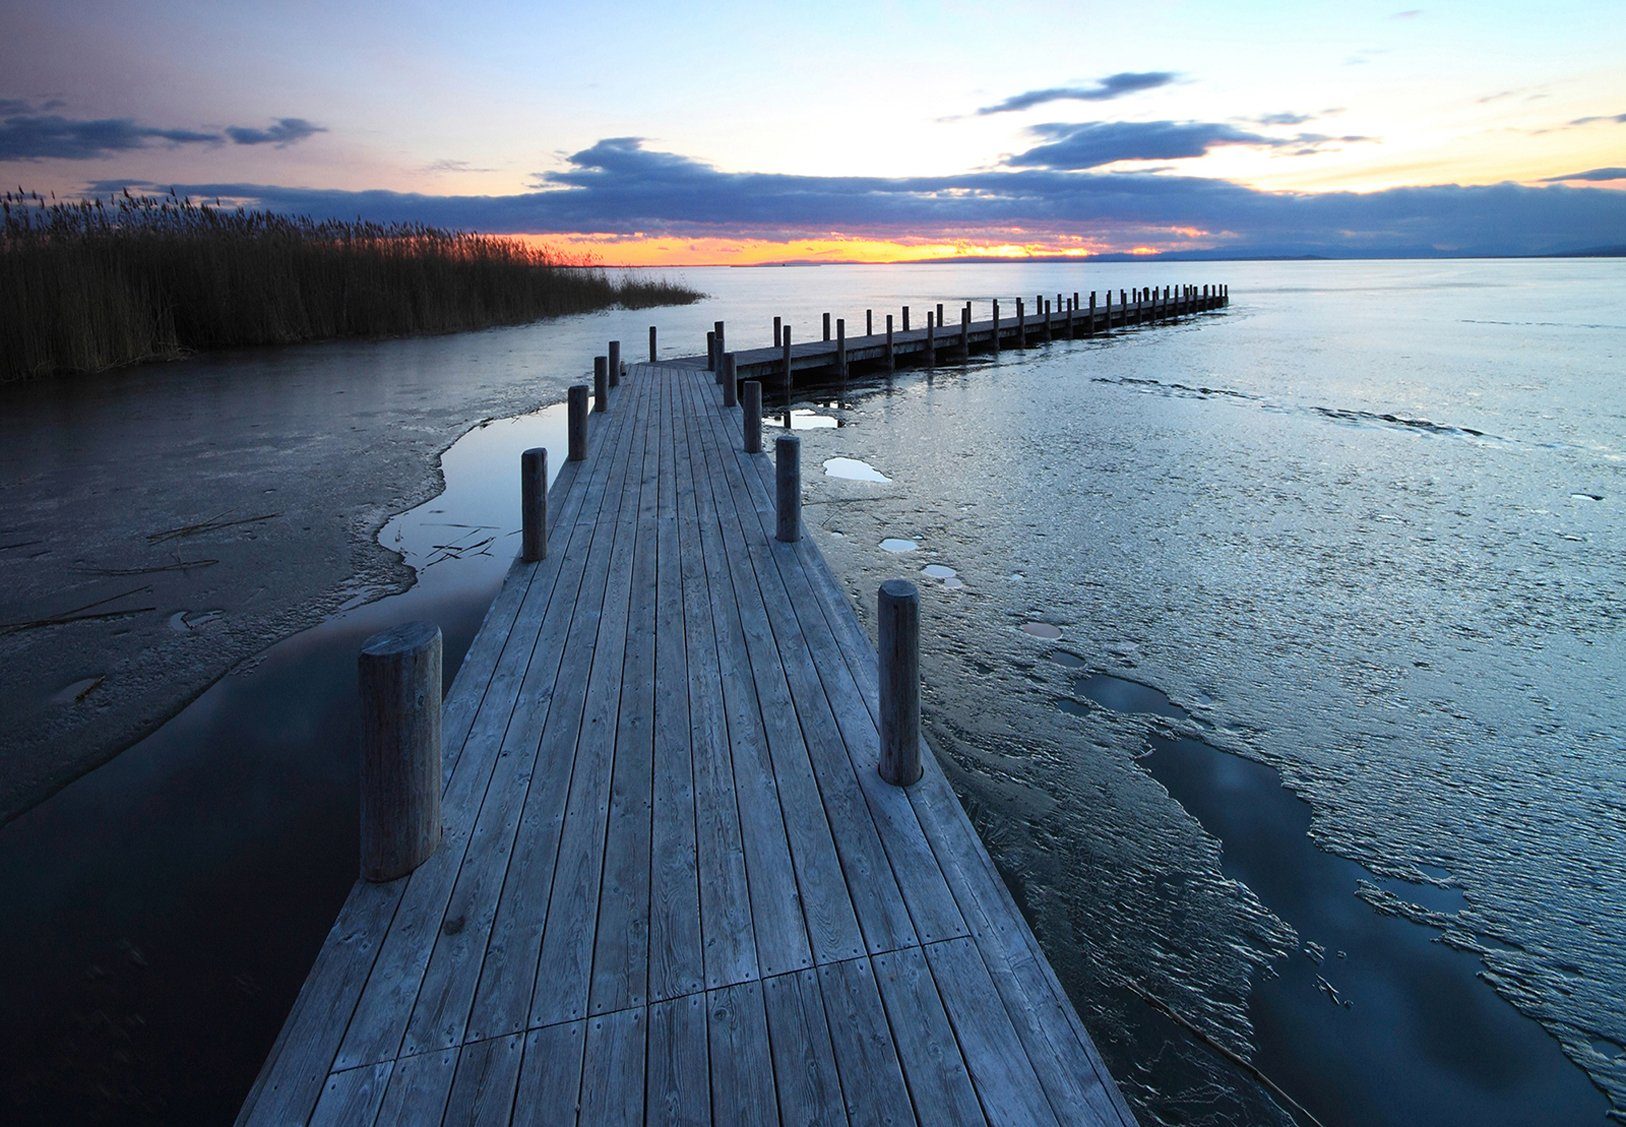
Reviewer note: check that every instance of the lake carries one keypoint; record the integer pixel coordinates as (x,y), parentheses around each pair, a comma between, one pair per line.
(1277,656)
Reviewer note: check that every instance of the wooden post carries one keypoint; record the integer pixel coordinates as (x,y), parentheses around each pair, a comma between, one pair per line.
(777,321)
(940,314)
(1072,312)
(1048,335)
(751,412)
(652,344)
(931,341)
(601,383)
(891,359)
(731,380)
(996,327)
(965,333)
(722,339)
(898,651)
(784,348)
(1021,325)
(787,456)
(1090,328)
(841,347)
(615,362)
(400,675)
(711,350)
(827,326)
(576,413)
(905,318)
(533,504)
(869,322)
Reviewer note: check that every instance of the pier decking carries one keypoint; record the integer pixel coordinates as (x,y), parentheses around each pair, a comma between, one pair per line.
(673,887)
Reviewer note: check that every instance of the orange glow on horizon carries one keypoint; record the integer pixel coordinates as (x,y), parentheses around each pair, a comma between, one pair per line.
(664,250)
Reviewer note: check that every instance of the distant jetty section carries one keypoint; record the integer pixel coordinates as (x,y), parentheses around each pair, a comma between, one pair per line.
(674,849)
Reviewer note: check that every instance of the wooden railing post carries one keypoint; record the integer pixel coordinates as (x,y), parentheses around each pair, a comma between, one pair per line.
(827,326)
(905,318)
(1021,324)
(869,322)
(891,360)
(965,333)
(722,341)
(615,362)
(841,347)
(898,650)
(1090,326)
(996,327)
(711,350)
(751,412)
(778,322)
(533,504)
(731,379)
(576,413)
(940,314)
(787,454)
(652,344)
(399,671)
(931,341)
(601,383)
(785,352)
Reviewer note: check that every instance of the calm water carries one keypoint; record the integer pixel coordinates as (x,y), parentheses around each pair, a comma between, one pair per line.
(1360,535)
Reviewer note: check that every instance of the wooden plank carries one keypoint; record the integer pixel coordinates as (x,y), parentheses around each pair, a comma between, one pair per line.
(728,939)
(1007,1086)
(564,971)
(742,1075)
(483,1089)
(550,1075)
(832,924)
(932,1065)
(804,1061)
(871,1077)
(376,1030)
(777,916)
(507,976)
(613,1073)
(620,951)
(352,1098)
(676,963)
(678,1084)
(418,1088)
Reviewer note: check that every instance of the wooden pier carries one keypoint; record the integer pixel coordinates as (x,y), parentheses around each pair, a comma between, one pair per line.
(673,885)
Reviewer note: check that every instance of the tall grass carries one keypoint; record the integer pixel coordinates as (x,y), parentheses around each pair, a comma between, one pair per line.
(95,284)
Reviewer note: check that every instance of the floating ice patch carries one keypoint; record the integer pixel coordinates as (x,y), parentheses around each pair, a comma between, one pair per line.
(803,419)
(1586,496)
(899,544)
(852,469)
(1044,630)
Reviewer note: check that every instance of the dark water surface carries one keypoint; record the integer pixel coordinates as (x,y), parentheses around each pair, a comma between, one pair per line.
(1289,633)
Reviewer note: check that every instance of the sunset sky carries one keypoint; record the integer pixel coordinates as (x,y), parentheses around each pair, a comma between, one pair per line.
(850,131)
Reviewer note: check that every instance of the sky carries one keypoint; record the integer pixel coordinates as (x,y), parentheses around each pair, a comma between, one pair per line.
(647,134)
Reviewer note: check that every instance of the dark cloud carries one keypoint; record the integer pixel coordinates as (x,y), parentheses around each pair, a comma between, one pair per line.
(37,136)
(1104,89)
(618,187)
(1092,144)
(282,133)
(1618,119)
(1590,174)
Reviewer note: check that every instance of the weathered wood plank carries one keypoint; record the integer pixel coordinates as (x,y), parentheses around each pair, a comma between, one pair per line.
(742,1076)
(931,1057)
(352,1097)
(550,1075)
(613,1076)
(418,1088)
(483,1088)
(804,1061)
(678,1083)
(871,1077)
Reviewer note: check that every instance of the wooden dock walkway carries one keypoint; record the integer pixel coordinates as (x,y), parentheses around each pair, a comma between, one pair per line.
(672,886)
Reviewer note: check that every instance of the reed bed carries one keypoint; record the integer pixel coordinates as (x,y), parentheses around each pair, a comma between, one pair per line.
(95,284)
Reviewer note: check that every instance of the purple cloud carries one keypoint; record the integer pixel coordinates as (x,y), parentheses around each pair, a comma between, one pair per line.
(1104,89)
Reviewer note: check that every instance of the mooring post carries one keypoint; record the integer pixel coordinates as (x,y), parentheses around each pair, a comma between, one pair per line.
(400,677)
(891,360)
(1049,335)
(784,349)
(615,362)
(1072,312)
(722,339)
(652,344)
(996,327)
(898,651)
(711,350)
(905,318)
(601,383)
(1021,324)
(841,347)
(1089,329)
(940,314)
(751,412)
(827,326)
(731,380)
(777,321)
(931,341)
(869,322)
(965,333)
(533,504)
(576,414)
(1109,310)
(787,458)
